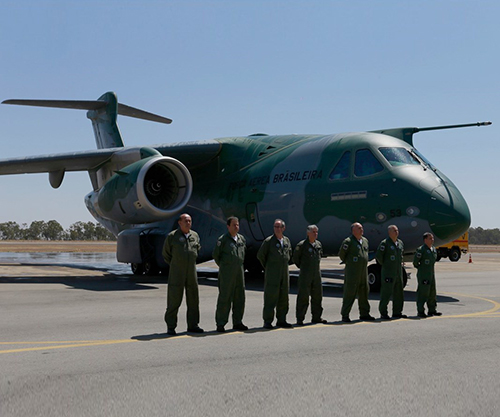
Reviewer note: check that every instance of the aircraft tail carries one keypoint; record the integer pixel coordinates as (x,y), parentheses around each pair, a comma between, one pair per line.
(102,112)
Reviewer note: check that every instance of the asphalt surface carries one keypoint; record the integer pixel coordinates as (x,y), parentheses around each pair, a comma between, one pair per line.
(77,342)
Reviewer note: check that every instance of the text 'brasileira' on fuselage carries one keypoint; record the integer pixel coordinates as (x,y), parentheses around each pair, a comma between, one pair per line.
(377,178)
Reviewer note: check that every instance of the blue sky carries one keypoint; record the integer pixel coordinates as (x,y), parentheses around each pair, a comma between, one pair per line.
(227,68)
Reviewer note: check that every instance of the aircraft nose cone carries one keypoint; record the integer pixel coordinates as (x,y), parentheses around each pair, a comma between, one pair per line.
(449,214)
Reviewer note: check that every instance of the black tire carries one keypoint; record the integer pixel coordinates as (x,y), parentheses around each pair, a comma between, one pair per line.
(438,257)
(150,268)
(454,254)
(254,267)
(405,278)
(374,277)
(137,269)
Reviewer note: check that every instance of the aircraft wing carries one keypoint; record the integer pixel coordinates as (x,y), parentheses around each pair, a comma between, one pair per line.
(191,154)
(74,161)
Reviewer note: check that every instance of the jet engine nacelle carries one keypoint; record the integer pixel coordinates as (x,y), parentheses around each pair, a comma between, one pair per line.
(147,191)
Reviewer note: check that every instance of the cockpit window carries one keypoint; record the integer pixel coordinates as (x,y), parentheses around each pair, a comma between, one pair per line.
(366,164)
(341,170)
(399,156)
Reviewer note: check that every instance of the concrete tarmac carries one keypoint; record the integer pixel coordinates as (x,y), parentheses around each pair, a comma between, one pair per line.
(85,343)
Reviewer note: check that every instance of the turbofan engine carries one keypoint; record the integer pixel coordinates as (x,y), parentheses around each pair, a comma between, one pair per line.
(146,191)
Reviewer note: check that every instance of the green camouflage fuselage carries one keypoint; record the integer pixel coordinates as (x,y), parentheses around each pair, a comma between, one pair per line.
(260,178)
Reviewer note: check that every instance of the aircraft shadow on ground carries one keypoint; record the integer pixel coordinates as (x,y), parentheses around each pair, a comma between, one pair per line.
(206,277)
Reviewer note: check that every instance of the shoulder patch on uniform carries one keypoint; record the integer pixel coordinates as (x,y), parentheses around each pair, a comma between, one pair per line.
(382,248)
(218,243)
(345,247)
(419,255)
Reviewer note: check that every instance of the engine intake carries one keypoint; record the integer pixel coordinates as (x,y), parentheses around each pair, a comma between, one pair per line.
(152,189)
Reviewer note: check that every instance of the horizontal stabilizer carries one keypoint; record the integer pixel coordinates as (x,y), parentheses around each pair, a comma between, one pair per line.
(123,109)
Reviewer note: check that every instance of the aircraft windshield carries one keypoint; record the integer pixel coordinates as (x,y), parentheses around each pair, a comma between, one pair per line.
(399,156)
(366,164)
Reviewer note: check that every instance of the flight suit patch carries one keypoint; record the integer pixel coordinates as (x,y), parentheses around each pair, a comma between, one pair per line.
(427,262)
(419,255)
(355,259)
(393,258)
(382,248)
(345,247)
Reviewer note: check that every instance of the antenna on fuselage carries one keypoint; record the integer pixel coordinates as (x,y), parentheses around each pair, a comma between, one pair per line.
(406,133)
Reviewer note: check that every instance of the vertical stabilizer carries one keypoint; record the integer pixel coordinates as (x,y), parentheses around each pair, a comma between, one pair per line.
(107,134)
(101,112)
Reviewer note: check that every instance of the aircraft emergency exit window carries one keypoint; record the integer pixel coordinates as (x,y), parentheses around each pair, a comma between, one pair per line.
(399,156)
(341,170)
(366,164)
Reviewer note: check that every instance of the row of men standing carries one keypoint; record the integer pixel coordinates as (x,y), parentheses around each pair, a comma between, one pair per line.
(181,250)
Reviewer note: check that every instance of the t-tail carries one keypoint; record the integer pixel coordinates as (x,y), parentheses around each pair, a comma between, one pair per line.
(102,112)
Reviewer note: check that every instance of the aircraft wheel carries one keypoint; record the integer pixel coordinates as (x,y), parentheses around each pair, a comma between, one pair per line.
(374,277)
(405,278)
(150,268)
(254,268)
(438,257)
(137,269)
(454,255)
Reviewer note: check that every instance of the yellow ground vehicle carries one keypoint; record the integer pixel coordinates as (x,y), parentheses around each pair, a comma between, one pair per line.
(453,250)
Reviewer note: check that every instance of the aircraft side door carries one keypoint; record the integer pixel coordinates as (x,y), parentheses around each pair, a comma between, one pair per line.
(254,222)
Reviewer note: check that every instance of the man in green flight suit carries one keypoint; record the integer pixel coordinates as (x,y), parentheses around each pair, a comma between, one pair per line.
(354,253)
(180,251)
(424,260)
(274,255)
(307,257)
(390,255)
(229,254)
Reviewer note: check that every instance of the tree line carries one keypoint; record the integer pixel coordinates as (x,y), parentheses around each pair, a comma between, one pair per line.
(52,230)
(480,236)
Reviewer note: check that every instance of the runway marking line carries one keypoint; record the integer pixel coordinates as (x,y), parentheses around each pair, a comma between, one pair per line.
(69,345)
(493,312)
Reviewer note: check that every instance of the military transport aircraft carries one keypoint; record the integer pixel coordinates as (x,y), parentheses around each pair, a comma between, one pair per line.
(377,178)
